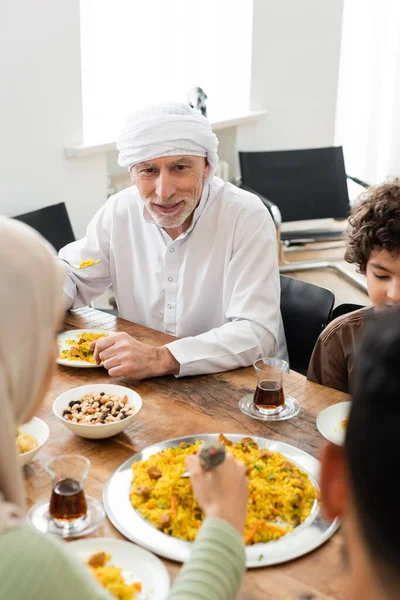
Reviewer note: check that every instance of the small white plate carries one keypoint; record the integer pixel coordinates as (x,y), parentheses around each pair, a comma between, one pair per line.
(329,422)
(76,333)
(136,563)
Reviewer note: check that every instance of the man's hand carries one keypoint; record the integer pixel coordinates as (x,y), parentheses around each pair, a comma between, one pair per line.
(123,356)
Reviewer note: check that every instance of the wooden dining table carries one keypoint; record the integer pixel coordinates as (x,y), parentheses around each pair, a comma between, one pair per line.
(174,407)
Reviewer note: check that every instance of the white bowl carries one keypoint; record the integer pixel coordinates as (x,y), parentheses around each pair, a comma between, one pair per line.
(96,432)
(40,431)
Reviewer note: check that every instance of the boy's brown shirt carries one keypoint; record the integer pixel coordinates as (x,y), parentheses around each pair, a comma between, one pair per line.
(332,361)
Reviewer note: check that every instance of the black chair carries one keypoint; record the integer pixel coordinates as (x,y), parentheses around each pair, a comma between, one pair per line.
(297,185)
(303,185)
(344,309)
(52,222)
(305,309)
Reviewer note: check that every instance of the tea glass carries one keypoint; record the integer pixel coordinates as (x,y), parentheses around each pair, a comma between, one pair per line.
(269,398)
(68,507)
(69,513)
(268,402)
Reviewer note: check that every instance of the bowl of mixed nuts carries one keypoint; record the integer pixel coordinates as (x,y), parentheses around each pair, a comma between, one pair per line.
(97,411)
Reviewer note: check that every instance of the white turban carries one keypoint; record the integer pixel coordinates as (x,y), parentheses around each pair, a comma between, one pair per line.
(166,130)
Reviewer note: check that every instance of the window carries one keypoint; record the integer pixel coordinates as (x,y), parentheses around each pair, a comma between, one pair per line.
(140,52)
(368,121)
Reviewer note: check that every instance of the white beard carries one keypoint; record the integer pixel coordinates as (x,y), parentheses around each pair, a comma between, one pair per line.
(170,221)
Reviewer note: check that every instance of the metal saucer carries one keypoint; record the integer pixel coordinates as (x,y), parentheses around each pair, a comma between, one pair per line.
(290,409)
(39,517)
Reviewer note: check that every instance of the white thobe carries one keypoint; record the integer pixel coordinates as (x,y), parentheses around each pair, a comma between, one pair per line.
(216,286)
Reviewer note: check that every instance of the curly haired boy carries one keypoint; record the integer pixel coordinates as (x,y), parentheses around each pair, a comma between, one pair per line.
(374,246)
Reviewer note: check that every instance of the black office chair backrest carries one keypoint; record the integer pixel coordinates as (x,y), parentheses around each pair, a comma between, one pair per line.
(343,309)
(304,184)
(52,222)
(305,309)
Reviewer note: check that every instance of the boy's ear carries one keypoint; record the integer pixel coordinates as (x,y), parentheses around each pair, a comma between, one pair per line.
(334,481)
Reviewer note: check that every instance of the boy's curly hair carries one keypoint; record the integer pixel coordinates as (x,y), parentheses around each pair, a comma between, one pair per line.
(374,222)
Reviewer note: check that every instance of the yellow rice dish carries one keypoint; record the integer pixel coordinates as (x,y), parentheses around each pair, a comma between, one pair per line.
(88,263)
(111,577)
(25,442)
(281,496)
(79,348)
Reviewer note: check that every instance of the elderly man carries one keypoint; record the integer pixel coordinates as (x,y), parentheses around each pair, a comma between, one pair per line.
(186,254)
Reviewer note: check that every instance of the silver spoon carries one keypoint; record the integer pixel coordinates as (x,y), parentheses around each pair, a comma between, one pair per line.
(96,262)
(211,455)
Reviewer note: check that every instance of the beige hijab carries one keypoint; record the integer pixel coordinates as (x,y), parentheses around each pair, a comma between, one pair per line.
(30,305)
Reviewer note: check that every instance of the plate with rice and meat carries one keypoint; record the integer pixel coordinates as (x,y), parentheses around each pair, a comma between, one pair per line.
(74,347)
(149,502)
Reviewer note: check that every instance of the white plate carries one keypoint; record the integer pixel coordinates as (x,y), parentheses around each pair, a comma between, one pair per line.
(329,422)
(137,564)
(305,538)
(75,333)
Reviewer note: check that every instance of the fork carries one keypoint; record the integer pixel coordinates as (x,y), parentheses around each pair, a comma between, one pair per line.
(211,455)
(96,262)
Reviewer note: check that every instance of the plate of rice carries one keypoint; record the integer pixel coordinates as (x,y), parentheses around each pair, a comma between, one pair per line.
(74,347)
(149,502)
(125,570)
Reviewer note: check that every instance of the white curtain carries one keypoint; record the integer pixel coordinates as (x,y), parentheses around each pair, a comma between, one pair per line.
(139,52)
(368,112)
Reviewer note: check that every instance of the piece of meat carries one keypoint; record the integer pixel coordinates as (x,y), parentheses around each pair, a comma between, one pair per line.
(248,441)
(265,454)
(143,490)
(164,521)
(154,472)
(299,483)
(76,352)
(287,466)
(97,560)
(224,440)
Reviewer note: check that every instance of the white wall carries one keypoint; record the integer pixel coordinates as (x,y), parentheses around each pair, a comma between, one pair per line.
(296,49)
(40,112)
(295,66)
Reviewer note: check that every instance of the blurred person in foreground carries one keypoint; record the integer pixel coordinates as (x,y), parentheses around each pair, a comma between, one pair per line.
(185,252)
(358,481)
(35,566)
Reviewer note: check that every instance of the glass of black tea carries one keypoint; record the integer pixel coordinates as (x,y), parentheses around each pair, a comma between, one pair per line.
(269,398)
(68,508)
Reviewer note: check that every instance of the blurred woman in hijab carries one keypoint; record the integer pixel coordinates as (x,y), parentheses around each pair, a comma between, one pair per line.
(38,567)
